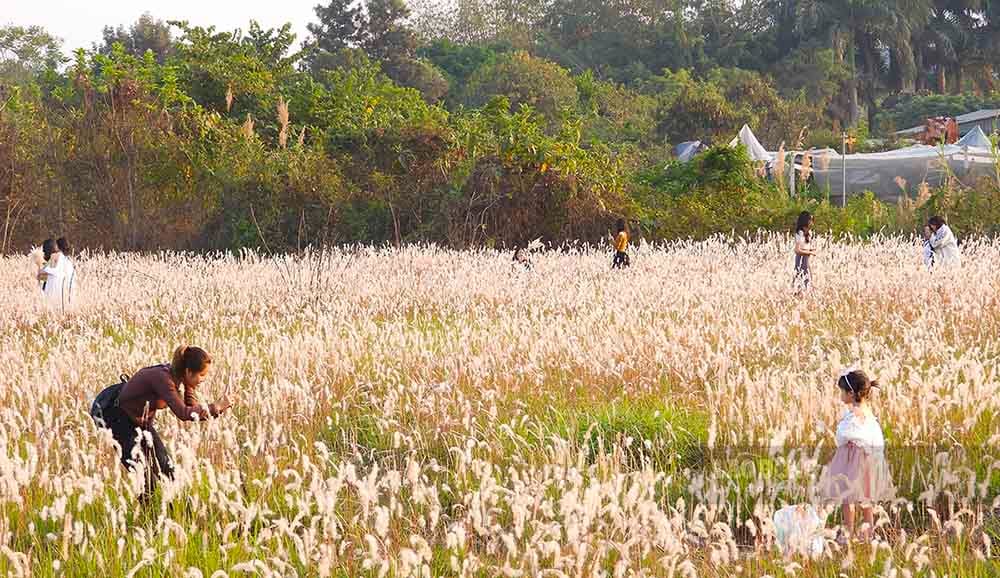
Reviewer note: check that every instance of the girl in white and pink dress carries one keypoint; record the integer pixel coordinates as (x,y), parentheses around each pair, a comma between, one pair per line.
(858,475)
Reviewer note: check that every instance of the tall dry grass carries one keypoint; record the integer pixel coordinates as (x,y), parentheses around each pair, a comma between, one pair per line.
(426,412)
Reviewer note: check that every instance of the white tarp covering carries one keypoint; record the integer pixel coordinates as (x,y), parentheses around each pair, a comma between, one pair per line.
(890,174)
(755,150)
(687,150)
(895,173)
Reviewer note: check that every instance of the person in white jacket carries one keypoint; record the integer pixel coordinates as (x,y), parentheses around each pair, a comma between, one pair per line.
(943,243)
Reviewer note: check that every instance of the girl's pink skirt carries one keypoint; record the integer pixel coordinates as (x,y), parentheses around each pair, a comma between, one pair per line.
(855,476)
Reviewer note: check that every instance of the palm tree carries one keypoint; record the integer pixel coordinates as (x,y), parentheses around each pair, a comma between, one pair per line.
(988,41)
(869,31)
(957,39)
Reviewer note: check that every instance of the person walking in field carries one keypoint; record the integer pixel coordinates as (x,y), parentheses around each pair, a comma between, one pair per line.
(620,240)
(858,476)
(803,249)
(943,243)
(130,412)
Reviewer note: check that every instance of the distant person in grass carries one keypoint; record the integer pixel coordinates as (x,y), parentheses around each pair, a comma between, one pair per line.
(65,249)
(130,416)
(55,274)
(620,241)
(522,258)
(803,250)
(942,242)
(928,251)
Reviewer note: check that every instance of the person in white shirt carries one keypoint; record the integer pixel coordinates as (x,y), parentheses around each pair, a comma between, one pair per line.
(54,274)
(943,243)
(65,249)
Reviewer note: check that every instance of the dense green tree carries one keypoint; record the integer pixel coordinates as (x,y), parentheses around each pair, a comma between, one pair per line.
(236,73)
(338,27)
(419,74)
(147,33)
(26,52)
(618,38)
(386,34)
(458,62)
(524,80)
(470,122)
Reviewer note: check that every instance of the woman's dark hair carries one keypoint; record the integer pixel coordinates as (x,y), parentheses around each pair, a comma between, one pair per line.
(858,384)
(620,226)
(187,358)
(805,217)
(63,244)
(48,247)
(935,221)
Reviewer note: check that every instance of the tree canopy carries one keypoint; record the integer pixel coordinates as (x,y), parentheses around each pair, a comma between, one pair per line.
(456,121)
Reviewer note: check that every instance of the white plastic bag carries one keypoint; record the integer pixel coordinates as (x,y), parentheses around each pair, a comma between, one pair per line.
(799,530)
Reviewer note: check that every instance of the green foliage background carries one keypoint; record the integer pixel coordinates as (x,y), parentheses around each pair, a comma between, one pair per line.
(496,124)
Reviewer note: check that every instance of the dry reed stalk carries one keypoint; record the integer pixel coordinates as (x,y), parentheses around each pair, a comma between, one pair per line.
(923,194)
(283,122)
(806,171)
(800,142)
(247,128)
(779,166)
(823,162)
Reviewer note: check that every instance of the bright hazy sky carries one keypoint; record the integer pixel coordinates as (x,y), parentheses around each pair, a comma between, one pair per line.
(79,22)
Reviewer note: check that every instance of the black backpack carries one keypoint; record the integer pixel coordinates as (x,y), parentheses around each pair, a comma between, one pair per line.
(107,399)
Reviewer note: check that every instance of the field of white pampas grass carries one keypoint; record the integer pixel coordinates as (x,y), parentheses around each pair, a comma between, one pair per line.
(423,412)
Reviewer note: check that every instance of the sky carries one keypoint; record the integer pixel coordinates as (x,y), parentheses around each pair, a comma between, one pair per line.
(79,23)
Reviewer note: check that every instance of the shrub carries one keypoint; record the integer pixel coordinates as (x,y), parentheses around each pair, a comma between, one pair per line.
(524,80)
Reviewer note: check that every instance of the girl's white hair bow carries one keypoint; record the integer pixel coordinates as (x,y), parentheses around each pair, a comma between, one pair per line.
(848,371)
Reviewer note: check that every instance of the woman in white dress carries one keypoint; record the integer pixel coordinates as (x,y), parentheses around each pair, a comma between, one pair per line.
(65,249)
(54,275)
(943,243)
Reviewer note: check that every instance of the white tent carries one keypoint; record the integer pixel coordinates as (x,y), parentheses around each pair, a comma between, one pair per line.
(975,138)
(755,150)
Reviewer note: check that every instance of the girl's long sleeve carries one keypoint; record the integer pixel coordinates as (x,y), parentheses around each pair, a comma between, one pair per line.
(942,237)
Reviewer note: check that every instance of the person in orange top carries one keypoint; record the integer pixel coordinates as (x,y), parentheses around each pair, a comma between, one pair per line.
(153,388)
(621,246)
